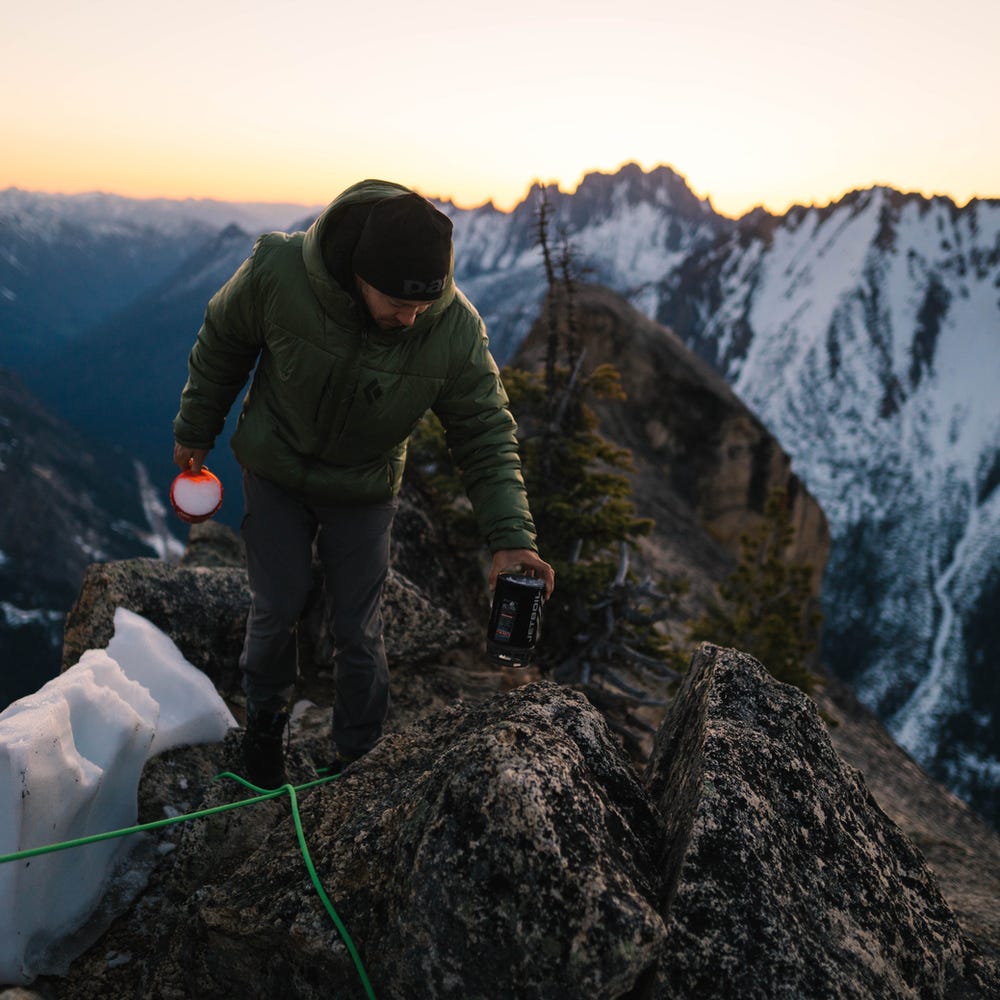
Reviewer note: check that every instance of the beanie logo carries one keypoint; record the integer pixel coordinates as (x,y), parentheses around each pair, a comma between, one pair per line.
(413,287)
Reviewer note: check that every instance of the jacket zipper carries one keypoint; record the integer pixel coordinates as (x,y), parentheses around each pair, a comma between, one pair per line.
(355,379)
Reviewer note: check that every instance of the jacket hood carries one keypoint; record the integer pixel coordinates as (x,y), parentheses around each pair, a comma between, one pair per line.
(328,248)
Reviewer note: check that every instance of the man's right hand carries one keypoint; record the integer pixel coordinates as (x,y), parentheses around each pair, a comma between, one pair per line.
(189,458)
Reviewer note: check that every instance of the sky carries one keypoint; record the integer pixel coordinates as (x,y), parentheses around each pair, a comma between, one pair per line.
(771,103)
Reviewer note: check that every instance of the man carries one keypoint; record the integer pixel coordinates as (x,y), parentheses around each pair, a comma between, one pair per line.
(356,329)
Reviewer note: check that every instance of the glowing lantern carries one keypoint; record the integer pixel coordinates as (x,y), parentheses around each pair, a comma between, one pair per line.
(196,496)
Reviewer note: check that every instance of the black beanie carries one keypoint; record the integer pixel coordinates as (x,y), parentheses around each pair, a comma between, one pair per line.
(405,248)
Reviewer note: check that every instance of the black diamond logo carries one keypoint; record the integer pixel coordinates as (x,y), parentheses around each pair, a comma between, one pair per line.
(372,391)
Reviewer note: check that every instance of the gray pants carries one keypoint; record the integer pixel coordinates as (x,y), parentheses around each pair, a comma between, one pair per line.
(353,547)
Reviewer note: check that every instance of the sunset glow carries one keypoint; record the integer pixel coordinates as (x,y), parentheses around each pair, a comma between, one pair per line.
(776,103)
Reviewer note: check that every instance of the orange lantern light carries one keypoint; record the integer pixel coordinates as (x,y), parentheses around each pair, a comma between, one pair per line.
(196,496)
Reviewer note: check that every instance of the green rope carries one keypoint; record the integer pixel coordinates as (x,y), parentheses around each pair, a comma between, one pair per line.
(307,857)
(155,824)
(262,796)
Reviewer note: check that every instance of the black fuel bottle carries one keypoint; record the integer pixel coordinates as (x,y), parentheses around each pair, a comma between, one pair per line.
(515,619)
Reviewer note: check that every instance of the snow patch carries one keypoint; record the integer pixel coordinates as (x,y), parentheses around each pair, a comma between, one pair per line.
(159,538)
(71,756)
(91,551)
(190,709)
(15,617)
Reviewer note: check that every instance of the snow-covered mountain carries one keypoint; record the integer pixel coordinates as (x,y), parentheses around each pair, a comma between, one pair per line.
(629,229)
(865,334)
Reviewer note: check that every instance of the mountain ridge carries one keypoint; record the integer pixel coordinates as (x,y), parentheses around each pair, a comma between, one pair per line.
(68,501)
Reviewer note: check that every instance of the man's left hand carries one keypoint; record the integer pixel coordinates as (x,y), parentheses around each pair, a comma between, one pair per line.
(525,560)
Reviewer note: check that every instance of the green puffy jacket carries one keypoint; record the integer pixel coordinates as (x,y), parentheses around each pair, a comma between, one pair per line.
(334,399)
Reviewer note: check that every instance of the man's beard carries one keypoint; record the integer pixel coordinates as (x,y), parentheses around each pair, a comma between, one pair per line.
(393,327)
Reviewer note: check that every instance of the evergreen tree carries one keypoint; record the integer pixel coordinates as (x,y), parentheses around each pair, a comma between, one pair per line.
(581,498)
(765,607)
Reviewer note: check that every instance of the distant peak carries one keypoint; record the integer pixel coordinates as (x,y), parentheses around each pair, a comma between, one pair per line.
(233,231)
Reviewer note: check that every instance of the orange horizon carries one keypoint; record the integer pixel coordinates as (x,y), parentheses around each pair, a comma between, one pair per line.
(469,202)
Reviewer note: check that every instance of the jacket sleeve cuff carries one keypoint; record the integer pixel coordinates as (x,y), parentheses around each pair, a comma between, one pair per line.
(512,540)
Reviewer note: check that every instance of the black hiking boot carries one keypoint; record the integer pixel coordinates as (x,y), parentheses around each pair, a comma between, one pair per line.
(263,752)
(338,762)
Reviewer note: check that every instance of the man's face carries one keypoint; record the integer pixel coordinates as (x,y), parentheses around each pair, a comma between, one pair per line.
(388,312)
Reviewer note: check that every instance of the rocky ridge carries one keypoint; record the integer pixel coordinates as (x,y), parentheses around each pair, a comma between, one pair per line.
(703,463)
(499,842)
